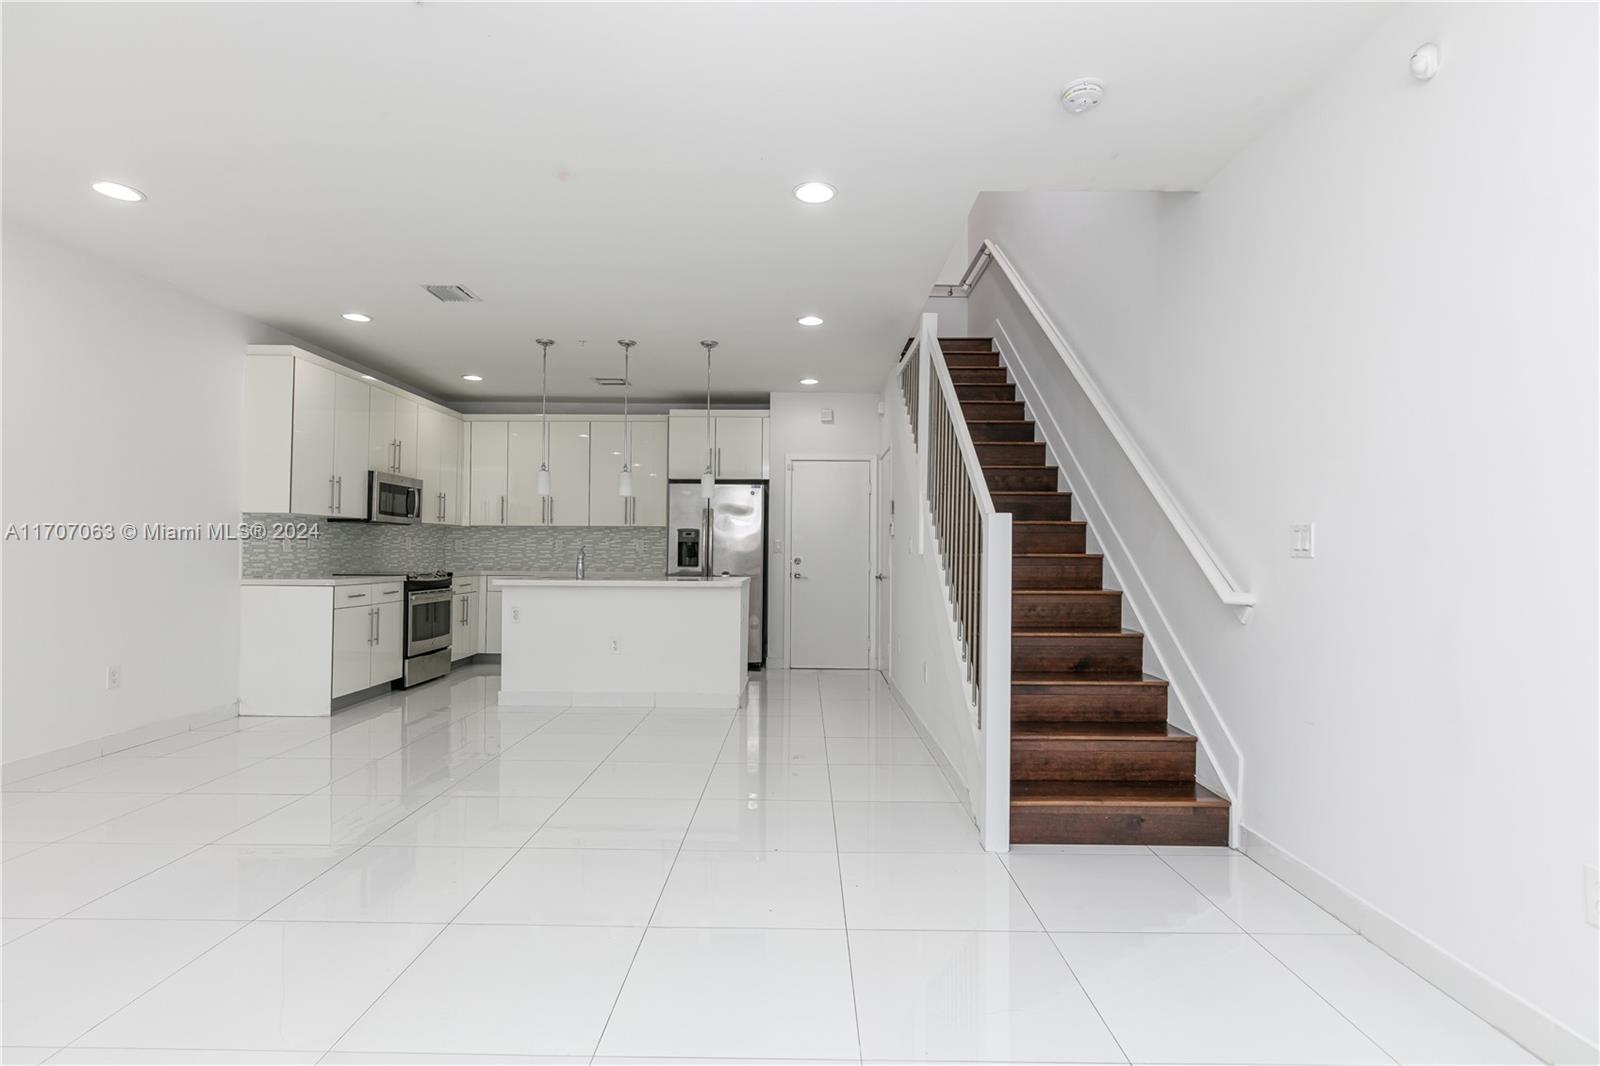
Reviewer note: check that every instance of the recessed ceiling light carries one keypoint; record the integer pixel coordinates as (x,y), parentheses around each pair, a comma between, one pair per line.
(809,320)
(470,377)
(356,316)
(118,191)
(808,381)
(813,192)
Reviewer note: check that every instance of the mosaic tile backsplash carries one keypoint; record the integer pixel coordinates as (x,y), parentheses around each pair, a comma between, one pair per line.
(365,547)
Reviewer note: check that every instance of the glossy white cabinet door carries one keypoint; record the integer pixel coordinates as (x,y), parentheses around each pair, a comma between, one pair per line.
(741,449)
(450,468)
(649,474)
(311,485)
(380,430)
(488,475)
(606,508)
(569,473)
(686,446)
(352,649)
(405,436)
(430,430)
(350,447)
(387,648)
(491,623)
(464,626)
(524,450)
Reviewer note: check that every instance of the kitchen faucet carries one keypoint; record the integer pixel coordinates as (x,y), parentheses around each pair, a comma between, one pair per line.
(581,552)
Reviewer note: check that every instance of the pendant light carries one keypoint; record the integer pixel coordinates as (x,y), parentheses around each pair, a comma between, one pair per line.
(708,480)
(543,486)
(625,480)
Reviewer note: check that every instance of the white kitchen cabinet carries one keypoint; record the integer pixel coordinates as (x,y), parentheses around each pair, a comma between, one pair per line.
(438,463)
(388,650)
(488,473)
(380,431)
(648,505)
(686,445)
(350,430)
(524,449)
(464,626)
(569,473)
(312,488)
(450,469)
(738,445)
(741,447)
(352,649)
(405,436)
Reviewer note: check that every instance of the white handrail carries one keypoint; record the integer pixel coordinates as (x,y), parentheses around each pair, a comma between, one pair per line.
(1227,590)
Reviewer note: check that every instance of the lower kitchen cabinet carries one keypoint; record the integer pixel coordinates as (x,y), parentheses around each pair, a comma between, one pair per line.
(464,626)
(366,647)
(302,646)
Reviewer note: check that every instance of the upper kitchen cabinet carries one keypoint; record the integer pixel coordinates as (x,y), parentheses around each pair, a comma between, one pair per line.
(438,453)
(738,446)
(648,504)
(313,429)
(393,433)
(487,473)
(514,469)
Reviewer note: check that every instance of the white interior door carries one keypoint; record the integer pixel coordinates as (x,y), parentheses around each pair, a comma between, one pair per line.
(883,577)
(830,563)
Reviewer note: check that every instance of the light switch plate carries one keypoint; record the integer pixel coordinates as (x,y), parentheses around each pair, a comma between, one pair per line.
(827,416)
(1303,541)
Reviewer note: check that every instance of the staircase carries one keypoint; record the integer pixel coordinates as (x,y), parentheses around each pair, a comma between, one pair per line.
(1093,759)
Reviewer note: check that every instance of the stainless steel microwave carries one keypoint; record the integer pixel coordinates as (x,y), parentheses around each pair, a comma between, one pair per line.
(393,498)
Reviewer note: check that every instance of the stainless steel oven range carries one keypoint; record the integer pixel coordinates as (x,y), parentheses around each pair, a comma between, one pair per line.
(427,641)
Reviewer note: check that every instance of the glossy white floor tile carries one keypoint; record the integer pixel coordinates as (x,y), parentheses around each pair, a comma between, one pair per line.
(1208,997)
(380,883)
(721,993)
(502,990)
(52,998)
(761,889)
(1405,1015)
(428,877)
(579,886)
(1114,894)
(218,881)
(1247,893)
(960,997)
(285,986)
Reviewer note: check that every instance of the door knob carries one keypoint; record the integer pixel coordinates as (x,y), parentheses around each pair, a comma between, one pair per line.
(877,577)
(798,574)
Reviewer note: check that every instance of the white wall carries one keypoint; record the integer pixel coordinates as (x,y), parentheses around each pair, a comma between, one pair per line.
(121,404)
(952,311)
(1381,318)
(798,431)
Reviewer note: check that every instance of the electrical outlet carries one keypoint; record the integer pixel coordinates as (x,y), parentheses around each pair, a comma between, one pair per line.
(1303,541)
(516,614)
(616,647)
(1591,895)
(114,676)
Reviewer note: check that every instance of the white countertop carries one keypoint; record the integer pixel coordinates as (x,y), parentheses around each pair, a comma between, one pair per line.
(622,583)
(325,582)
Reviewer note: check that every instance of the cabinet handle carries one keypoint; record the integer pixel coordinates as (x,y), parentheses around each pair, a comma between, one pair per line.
(369,626)
(377,626)
(399,455)
(719,461)
(333,504)
(502,510)
(355,596)
(338,484)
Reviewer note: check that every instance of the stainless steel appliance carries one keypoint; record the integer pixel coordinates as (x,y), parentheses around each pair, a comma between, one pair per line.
(393,498)
(427,641)
(727,537)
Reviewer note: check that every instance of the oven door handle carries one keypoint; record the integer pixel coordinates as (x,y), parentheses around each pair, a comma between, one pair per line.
(431,596)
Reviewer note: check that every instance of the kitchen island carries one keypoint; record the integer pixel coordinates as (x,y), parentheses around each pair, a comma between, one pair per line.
(623,643)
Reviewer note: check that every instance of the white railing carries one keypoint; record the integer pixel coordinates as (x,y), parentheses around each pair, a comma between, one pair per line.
(1227,590)
(974,543)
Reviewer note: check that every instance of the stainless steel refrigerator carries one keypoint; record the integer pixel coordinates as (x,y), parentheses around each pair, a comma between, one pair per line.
(729,537)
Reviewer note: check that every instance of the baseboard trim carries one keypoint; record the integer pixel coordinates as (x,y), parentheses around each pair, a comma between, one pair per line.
(721,701)
(1505,1010)
(946,767)
(34,765)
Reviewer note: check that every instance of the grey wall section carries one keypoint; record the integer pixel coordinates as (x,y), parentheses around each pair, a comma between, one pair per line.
(361,547)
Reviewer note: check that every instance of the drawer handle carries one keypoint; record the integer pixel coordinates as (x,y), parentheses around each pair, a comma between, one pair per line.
(355,595)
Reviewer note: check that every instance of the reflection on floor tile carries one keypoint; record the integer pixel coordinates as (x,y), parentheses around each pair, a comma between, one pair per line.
(428,877)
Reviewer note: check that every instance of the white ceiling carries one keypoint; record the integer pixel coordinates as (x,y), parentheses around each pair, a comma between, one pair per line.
(597,171)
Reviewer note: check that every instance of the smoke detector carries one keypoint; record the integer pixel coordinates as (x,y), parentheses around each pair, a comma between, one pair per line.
(452,294)
(1082,95)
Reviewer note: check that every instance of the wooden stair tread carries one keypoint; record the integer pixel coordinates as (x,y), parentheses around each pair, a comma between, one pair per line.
(1156,732)
(1114,794)
(1082,632)
(1049,521)
(1057,555)
(1040,678)
(1065,592)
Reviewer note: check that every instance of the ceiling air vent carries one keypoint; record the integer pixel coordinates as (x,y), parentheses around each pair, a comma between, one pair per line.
(452,294)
